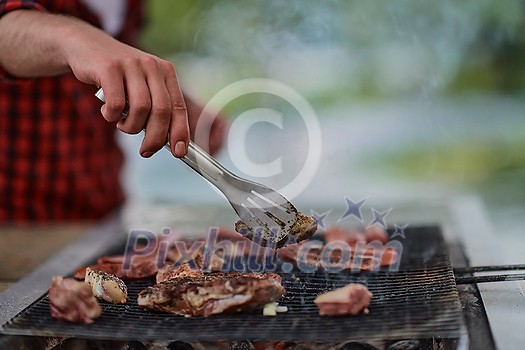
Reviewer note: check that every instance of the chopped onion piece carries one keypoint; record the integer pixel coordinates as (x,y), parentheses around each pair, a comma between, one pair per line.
(281,308)
(270,309)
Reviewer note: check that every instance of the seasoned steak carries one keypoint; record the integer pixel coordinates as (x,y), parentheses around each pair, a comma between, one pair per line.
(190,269)
(184,270)
(214,293)
(302,229)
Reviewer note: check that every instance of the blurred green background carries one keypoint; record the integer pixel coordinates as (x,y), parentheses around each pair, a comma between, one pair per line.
(457,46)
(437,86)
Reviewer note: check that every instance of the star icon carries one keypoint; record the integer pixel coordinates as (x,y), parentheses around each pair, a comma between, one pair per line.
(379,217)
(353,208)
(320,218)
(399,231)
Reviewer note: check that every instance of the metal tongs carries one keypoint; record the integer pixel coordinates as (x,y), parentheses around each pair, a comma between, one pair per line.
(259,207)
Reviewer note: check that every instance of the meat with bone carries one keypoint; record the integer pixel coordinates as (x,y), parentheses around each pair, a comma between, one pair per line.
(214,293)
(106,286)
(348,300)
(72,301)
(301,230)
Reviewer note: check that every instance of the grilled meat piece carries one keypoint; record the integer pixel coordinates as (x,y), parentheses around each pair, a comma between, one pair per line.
(368,260)
(80,273)
(371,260)
(237,246)
(72,301)
(338,233)
(106,286)
(214,293)
(376,233)
(175,245)
(289,254)
(364,255)
(192,269)
(173,250)
(149,265)
(352,235)
(140,267)
(241,246)
(185,270)
(348,300)
(302,229)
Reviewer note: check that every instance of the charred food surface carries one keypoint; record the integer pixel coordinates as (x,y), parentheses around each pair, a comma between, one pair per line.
(214,293)
(302,229)
(106,286)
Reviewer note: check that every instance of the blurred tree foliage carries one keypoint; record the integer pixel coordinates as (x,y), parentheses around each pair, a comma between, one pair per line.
(333,51)
(171,26)
(496,59)
(392,47)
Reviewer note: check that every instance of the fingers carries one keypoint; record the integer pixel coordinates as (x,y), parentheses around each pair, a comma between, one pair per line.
(158,116)
(114,94)
(139,101)
(179,128)
(154,103)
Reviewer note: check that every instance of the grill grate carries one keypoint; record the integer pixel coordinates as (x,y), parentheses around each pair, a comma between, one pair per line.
(418,302)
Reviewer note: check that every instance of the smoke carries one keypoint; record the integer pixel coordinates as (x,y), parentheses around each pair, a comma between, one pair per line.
(360,47)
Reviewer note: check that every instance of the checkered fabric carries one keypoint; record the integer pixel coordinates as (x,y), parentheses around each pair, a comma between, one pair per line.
(59,159)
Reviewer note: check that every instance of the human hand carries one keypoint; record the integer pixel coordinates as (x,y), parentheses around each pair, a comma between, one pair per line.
(57,44)
(149,83)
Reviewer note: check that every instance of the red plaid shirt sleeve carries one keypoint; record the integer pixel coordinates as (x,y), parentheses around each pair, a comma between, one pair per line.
(59,158)
(11,5)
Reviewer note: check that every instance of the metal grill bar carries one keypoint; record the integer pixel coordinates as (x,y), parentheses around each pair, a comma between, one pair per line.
(419,302)
(489,268)
(404,306)
(489,278)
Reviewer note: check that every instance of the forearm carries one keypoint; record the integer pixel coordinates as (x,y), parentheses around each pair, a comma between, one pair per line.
(34,44)
(29,44)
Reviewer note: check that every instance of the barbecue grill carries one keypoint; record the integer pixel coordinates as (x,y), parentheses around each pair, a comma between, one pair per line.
(417,307)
